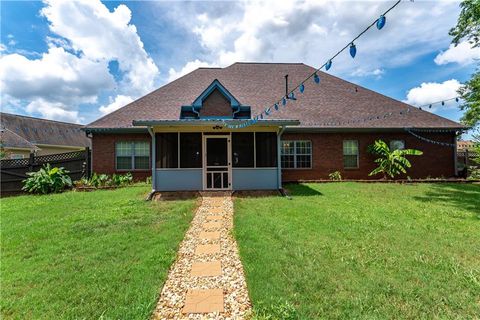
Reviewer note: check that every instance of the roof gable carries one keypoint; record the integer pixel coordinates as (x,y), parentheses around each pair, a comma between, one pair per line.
(215,85)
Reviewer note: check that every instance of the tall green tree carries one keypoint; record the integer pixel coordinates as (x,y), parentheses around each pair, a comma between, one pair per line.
(468,28)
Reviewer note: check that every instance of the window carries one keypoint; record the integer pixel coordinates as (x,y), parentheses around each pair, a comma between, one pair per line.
(131,155)
(350,154)
(190,150)
(296,154)
(397,145)
(243,150)
(166,150)
(266,149)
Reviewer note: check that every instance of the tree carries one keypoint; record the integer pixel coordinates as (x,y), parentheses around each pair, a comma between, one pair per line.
(468,27)
(391,162)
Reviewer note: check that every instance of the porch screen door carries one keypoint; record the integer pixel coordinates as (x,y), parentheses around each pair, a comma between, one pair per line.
(217,171)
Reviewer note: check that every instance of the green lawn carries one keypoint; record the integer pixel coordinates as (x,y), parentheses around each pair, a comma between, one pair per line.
(370,251)
(91,255)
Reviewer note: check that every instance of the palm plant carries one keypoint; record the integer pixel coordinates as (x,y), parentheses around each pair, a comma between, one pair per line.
(391,162)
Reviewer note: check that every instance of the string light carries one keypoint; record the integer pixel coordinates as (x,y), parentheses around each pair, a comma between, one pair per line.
(353,50)
(380,23)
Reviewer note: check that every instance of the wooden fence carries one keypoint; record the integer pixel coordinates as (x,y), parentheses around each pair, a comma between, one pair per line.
(13,171)
(465,159)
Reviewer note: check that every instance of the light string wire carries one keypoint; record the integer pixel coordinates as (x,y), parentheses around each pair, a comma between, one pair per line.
(328,62)
(429,105)
(445,144)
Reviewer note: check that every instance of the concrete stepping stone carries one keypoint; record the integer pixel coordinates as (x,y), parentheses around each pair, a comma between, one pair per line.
(206,269)
(207,249)
(203,301)
(210,218)
(212,225)
(209,235)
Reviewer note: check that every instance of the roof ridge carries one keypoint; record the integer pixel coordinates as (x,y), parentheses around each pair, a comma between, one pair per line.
(40,119)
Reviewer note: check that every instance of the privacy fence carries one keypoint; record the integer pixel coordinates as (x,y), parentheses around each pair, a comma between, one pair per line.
(465,159)
(13,171)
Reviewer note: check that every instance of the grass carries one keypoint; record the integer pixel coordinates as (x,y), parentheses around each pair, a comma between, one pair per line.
(370,251)
(87,255)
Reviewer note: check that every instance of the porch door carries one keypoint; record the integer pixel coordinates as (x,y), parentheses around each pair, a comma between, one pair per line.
(217,171)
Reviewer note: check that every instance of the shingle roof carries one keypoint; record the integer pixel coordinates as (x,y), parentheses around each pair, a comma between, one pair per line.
(10,139)
(334,103)
(42,131)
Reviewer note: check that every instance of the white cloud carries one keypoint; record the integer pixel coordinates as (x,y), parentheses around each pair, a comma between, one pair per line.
(361,72)
(115,104)
(429,92)
(56,110)
(3,47)
(103,35)
(189,67)
(75,69)
(462,54)
(311,31)
(59,79)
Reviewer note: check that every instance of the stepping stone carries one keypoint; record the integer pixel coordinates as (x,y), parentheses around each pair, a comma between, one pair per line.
(207,249)
(206,269)
(214,217)
(212,225)
(209,235)
(216,210)
(203,301)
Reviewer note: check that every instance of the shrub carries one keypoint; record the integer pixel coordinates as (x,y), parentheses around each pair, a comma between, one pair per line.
(335,176)
(391,162)
(47,180)
(104,180)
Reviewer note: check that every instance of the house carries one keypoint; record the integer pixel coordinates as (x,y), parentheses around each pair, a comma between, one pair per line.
(466,145)
(180,133)
(22,135)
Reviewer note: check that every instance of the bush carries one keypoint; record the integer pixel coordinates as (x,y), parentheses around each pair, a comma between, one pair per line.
(335,176)
(47,180)
(104,180)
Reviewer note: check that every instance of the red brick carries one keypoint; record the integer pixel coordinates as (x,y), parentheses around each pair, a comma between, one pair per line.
(103,153)
(327,155)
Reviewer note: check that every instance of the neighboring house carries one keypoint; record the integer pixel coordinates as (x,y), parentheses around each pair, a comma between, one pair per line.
(22,135)
(176,132)
(466,145)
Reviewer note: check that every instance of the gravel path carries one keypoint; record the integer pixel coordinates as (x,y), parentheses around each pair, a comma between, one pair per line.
(196,293)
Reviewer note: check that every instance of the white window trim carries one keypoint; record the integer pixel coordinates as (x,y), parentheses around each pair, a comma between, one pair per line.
(358,154)
(295,154)
(132,145)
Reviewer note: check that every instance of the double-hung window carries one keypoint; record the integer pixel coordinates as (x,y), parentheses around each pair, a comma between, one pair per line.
(350,154)
(132,155)
(296,154)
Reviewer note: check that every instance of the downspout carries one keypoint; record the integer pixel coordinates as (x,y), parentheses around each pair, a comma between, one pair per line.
(455,156)
(279,158)
(154,161)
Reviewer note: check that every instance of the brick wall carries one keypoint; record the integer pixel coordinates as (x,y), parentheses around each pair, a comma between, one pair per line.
(103,153)
(327,155)
(216,105)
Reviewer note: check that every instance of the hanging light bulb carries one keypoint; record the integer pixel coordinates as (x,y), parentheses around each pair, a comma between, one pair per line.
(381,22)
(261,116)
(420,108)
(456,99)
(302,88)
(284,101)
(267,111)
(292,96)
(353,50)
(430,107)
(328,65)
(316,78)
(275,106)
(443,103)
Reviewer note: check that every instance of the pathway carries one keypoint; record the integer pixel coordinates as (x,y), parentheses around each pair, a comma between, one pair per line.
(207,279)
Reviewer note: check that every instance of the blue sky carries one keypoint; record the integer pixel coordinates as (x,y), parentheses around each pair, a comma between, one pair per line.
(76,61)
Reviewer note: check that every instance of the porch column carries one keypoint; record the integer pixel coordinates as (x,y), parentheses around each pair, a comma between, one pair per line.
(154,161)
(279,158)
